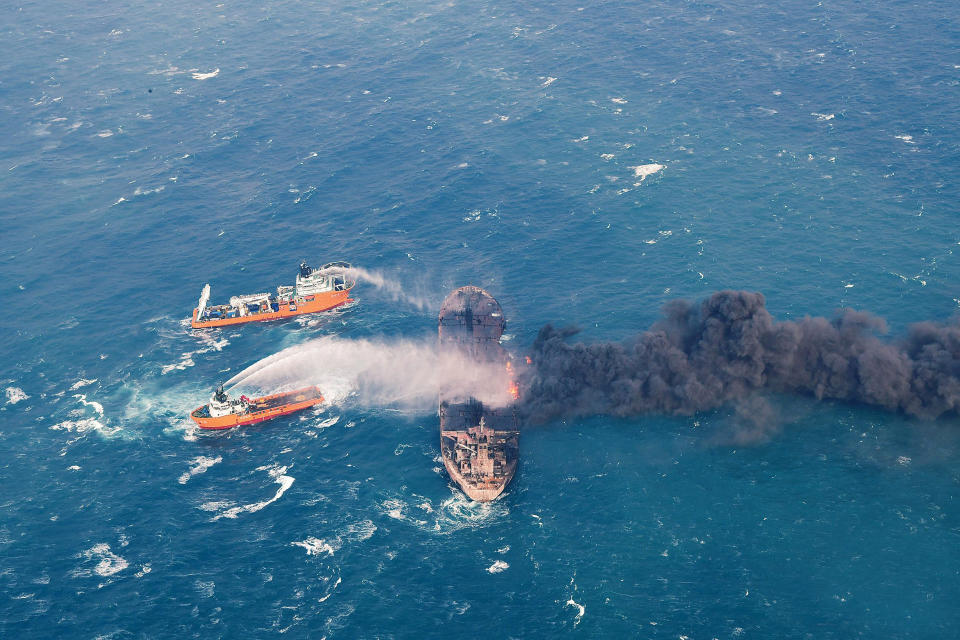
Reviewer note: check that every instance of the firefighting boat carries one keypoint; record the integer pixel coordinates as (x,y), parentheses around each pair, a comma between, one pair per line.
(315,290)
(222,412)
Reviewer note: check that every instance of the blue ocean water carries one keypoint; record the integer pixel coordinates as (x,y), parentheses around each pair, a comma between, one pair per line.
(585,163)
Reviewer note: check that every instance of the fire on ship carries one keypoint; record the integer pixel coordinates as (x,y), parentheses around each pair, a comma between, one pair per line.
(479,444)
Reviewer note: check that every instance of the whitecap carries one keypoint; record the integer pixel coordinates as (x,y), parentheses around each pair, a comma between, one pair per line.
(15,395)
(581,609)
(822,117)
(108,563)
(905,138)
(315,546)
(84,425)
(140,191)
(644,170)
(356,532)
(82,382)
(205,76)
(96,405)
(277,473)
(498,567)
(215,505)
(200,464)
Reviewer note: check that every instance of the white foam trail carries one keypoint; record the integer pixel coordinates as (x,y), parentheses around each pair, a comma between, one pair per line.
(15,395)
(206,76)
(403,373)
(277,473)
(200,465)
(96,405)
(398,291)
(572,603)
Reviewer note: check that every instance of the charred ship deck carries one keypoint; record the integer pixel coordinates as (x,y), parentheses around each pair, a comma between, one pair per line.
(479,444)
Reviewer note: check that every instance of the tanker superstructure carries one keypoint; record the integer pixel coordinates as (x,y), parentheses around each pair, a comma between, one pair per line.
(479,444)
(315,290)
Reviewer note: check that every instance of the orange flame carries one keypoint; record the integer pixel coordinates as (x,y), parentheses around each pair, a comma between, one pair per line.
(514,387)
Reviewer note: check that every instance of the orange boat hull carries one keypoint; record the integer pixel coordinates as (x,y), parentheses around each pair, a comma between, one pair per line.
(262,409)
(312,304)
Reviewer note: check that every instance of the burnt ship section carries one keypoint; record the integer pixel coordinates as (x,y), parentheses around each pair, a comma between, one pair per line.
(479,444)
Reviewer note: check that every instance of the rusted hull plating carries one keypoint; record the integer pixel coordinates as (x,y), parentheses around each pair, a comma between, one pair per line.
(479,444)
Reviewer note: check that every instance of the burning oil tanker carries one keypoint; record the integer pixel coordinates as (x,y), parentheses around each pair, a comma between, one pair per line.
(479,444)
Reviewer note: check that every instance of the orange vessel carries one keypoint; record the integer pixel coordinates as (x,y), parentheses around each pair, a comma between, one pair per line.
(223,413)
(315,290)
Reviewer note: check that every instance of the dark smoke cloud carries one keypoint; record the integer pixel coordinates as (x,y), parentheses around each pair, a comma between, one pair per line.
(727,348)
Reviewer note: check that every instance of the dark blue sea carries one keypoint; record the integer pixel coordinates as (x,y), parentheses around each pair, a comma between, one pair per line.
(586,163)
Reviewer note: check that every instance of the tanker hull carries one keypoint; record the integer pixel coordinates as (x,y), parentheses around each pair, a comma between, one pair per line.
(479,444)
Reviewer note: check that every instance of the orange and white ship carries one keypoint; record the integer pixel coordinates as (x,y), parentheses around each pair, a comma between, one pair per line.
(223,413)
(315,290)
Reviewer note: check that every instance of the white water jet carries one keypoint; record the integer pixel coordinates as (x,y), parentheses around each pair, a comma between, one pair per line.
(401,373)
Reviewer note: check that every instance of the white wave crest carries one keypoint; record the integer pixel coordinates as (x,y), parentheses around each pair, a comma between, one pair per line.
(277,473)
(581,609)
(108,563)
(315,546)
(200,464)
(206,76)
(15,395)
(644,170)
(498,567)
(356,532)
(96,405)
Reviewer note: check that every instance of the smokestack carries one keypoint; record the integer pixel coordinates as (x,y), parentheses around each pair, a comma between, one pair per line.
(701,357)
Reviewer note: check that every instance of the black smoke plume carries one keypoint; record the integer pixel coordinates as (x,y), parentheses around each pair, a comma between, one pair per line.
(727,348)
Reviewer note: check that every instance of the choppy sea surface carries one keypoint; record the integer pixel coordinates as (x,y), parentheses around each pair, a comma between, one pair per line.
(585,163)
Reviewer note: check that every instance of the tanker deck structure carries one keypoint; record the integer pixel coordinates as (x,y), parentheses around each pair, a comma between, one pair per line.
(479,444)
